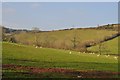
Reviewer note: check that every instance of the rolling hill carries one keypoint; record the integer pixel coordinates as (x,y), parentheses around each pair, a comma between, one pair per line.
(19,60)
(108,47)
(65,39)
(47,57)
(55,55)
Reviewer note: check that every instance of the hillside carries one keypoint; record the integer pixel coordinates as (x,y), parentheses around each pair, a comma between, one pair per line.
(108,47)
(71,39)
(65,39)
(29,56)
(16,53)
(71,53)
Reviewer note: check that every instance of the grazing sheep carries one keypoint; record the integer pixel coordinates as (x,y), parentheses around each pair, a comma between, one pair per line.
(98,55)
(70,52)
(79,76)
(36,47)
(115,57)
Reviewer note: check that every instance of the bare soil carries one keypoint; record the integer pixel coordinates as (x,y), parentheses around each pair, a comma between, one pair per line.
(74,73)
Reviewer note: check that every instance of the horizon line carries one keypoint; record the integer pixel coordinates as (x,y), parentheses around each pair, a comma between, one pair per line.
(58,29)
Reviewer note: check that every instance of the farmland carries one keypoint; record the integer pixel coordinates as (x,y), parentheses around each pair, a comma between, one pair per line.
(48,40)
(63,39)
(23,55)
(110,47)
(59,54)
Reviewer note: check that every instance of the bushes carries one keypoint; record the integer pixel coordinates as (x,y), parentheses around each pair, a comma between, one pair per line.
(70,39)
(9,39)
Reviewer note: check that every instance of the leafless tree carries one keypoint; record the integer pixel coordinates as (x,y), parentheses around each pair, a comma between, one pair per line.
(74,42)
(74,39)
(100,48)
(35,30)
(103,49)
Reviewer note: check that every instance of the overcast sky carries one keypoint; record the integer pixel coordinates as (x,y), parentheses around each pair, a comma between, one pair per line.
(52,15)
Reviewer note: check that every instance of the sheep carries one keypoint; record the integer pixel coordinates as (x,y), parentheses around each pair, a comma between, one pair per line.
(70,52)
(41,47)
(98,55)
(36,47)
(115,57)
(79,76)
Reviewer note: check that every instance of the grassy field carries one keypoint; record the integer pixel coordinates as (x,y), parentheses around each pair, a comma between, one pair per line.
(46,57)
(17,54)
(108,47)
(62,39)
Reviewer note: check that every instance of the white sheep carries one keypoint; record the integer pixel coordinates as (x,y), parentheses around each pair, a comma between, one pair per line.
(36,47)
(115,57)
(70,52)
(79,76)
(98,55)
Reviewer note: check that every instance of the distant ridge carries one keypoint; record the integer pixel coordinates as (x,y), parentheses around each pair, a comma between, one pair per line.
(114,27)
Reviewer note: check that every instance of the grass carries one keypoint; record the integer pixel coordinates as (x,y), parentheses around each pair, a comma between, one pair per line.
(60,39)
(26,74)
(55,58)
(108,47)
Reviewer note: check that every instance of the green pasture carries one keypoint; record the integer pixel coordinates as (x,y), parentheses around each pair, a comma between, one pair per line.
(56,58)
(108,47)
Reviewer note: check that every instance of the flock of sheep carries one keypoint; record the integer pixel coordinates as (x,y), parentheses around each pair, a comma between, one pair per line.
(115,57)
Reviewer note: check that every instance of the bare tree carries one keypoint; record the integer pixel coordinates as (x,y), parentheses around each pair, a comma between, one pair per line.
(74,42)
(102,48)
(46,41)
(35,31)
(74,39)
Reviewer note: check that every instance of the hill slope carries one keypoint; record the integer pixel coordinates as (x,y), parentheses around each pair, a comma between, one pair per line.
(53,58)
(108,47)
(65,39)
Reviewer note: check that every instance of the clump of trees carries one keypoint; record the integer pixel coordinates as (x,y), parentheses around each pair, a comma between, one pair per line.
(114,27)
(8,38)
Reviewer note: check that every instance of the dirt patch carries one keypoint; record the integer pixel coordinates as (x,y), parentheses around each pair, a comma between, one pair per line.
(73,73)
